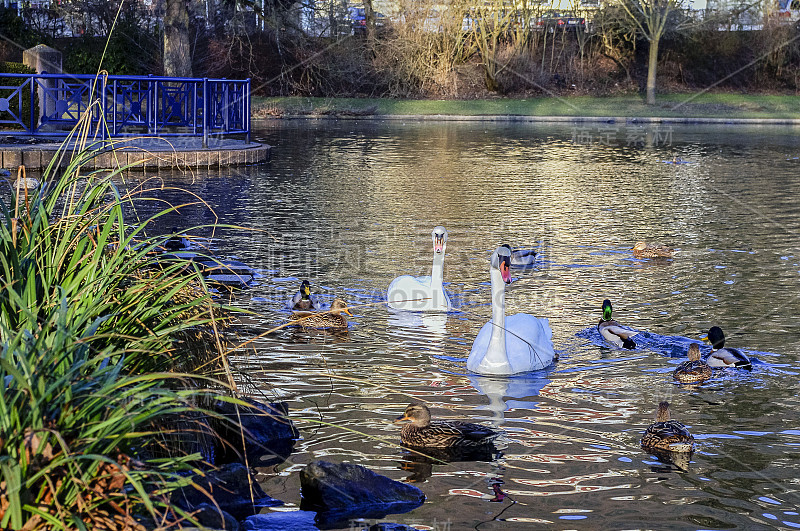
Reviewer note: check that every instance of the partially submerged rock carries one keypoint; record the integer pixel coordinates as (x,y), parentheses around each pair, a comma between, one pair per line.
(231,488)
(342,491)
(269,434)
(281,521)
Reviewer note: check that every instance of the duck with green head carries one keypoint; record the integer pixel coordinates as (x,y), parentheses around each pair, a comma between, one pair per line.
(303,299)
(722,357)
(612,331)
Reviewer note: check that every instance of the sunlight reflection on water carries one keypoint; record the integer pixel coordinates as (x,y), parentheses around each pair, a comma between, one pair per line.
(350,205)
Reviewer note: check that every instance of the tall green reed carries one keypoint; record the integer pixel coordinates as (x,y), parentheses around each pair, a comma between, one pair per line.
(90,323)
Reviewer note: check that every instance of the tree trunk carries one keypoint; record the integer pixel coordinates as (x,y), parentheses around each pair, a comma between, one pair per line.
(369,16)
(177,50)
(652,64)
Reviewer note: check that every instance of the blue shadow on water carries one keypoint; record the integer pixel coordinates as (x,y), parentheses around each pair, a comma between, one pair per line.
(670,346)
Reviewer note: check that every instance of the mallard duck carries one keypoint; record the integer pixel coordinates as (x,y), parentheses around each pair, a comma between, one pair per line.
(642,250)
(612,331)
(694,370)
(514,343)
(521,257)
(721,357)
(423,293)
(424,433)
(332,319)
(303,300)
(667,435)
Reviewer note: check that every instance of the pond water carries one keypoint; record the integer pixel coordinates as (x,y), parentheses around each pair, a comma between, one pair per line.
(350,205)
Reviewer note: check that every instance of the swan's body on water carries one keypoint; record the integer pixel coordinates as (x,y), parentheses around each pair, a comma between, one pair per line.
(509,344)
(423,293)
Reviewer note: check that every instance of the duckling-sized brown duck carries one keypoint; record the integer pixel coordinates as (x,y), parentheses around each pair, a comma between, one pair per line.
(642,250)
(332,319)
(694,370)
(667,435)
(424,433)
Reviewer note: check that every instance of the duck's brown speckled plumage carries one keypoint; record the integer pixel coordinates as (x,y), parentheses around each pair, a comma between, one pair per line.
(332,319)
(667,435)
(693,370)
(642,250)
(424,433)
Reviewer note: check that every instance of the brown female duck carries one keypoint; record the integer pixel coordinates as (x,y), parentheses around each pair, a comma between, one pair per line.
(424,433)
(694,370)
(332,319)
(667,435)
(642,250)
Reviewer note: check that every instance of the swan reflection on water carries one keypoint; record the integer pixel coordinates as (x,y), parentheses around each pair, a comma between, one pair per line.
(428,329)
(506,392)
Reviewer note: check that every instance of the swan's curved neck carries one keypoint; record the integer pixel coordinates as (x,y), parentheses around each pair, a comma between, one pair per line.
(437,273)
(497,343)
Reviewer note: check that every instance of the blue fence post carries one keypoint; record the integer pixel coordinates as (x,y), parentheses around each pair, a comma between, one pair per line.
(33,125)
(247,110)
(205,113)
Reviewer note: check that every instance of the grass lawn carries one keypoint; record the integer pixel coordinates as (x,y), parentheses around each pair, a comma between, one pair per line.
(725,106)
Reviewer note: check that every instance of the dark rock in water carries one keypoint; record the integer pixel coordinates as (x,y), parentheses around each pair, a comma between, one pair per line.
(228,267)
(283,521)
(230,487)
(343,491)
(269,433)
(209,516)
(229,281)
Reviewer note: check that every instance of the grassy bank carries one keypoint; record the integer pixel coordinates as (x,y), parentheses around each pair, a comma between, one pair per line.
(723,106)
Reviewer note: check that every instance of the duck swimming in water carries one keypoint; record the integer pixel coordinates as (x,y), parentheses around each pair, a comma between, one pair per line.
(642,250)
(694,370)
(332,319)
(612,331)
(303,299)
(722,357)
(667,435)
(423,293)
(509,344)
(424,433)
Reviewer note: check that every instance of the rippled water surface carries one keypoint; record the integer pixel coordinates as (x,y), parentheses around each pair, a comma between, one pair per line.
(351,205)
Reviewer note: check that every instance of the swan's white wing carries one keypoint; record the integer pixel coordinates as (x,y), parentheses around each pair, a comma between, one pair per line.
(529,347)
(414,293)
(529,342)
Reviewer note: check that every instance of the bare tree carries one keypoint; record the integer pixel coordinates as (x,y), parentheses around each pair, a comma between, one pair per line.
(490,27)
(651,18)
(177,43)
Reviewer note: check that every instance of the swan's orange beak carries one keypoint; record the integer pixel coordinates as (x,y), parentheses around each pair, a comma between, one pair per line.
(438,244)
(505,270)
(401,418)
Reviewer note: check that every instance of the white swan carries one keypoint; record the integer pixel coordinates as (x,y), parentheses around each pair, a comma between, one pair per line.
(513,344)
(423,293)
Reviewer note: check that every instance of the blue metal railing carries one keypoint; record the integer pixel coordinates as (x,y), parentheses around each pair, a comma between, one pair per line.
(129,105)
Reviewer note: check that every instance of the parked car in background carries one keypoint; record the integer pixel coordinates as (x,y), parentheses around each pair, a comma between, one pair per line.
(559,20)
(358,20)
